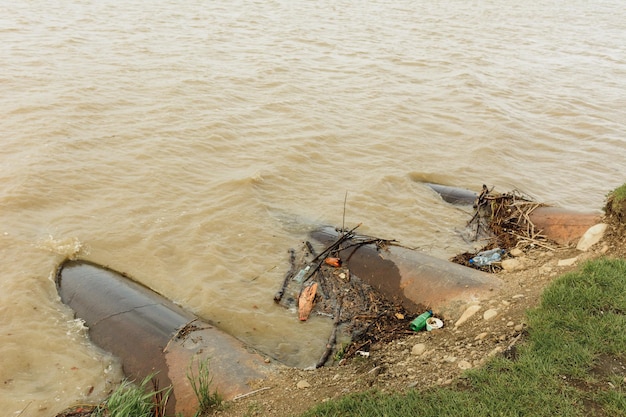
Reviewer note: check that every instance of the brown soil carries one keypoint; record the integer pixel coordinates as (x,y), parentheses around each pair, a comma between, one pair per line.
(394,366)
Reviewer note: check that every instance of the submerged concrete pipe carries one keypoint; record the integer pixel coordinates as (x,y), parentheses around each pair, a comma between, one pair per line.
(149,333)
(560,225)
(416,280)
(454,195)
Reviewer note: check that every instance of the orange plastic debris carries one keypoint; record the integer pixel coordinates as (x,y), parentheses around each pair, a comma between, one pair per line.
(305,301)
(336,262)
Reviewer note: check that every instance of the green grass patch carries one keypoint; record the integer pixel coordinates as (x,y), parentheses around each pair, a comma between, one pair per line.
(201,380)
(616,203)
(130,399)
(561,369)
(619,193)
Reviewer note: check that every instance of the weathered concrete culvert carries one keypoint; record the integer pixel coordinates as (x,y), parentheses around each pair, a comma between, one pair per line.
(149,333)
(454,195)
(560,225)
(416,280)
(563,226)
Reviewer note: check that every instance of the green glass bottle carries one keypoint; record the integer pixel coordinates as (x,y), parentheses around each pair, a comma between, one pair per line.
(420,321)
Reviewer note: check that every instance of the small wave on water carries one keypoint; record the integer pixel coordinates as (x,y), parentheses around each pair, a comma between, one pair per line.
(69,247)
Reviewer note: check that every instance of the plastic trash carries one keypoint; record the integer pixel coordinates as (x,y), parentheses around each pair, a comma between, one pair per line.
(487,257)
(336,262)
(433,323)
(300,275)
(419,323)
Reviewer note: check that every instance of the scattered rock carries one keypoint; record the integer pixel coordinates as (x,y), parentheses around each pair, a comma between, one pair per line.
(567,262)
(512,264)
(303,384)
(591,237)
(469,312)
(418,349)
(489,314)
(545,269)
(495,351)
(516,252)
(464,365)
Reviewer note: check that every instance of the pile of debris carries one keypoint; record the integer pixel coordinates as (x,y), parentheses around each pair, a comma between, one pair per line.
(503,220)
(320,283)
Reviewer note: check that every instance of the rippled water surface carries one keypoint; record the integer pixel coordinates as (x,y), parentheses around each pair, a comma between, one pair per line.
(191,144)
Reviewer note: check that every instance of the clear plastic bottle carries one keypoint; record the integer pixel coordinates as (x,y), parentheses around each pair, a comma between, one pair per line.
(487,257)
(300,275)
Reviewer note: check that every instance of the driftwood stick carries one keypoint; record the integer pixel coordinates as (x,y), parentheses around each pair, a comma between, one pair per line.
(329,249)
(338,242)
(343,221)
(514,341)
(240,396)
(530,227)
(313,272)
(323,287)
(331,340)
(379,243)
(473,217)
(310,248)
(528,213)
(534,241)
(292,259)
(24,409)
